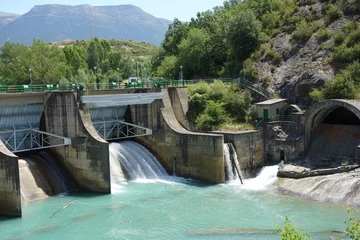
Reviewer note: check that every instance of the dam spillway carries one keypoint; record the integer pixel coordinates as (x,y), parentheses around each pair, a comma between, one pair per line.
(136,162)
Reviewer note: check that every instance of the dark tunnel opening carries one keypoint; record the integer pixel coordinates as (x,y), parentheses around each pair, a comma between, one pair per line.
(342,116)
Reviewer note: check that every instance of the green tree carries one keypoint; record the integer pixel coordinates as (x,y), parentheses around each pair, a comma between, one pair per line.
(194,51)
(244,33)
(48,63)
(75,57)
(15,62)
(167,67)
(175,33)
(97,53)
(213,116)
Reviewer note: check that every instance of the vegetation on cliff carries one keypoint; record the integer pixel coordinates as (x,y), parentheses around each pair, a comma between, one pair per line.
(278,44)
(218,106)
(71,62)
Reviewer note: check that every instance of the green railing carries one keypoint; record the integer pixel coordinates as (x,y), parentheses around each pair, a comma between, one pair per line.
(160,83)
(249,85)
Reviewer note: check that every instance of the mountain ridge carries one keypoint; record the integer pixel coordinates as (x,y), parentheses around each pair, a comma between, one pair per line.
(56,22)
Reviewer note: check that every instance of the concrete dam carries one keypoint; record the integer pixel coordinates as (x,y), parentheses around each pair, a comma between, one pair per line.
(55,142)
(61,141)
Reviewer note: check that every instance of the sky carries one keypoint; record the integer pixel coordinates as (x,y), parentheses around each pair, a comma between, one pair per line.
(168,9)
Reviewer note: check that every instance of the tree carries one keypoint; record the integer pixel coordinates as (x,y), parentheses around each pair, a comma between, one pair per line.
(168,67)
(48,63)
(75,57)
(175,33)
(194,51)
(97,53)
(15,61)
(244,33)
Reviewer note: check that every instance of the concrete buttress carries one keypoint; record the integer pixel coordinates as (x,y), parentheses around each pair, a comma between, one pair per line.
(87,158)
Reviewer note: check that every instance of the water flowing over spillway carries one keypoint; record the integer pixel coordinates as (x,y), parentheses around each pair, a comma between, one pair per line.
(135,161)
(42,176)
(266,177)
(232,168)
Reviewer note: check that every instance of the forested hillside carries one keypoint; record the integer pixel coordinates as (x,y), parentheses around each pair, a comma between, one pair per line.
(286,46)
(72,62)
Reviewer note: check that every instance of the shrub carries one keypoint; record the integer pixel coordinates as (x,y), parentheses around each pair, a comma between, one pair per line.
(339,38)
(213,116)
(290,232)
(200,88)
(332,13)
(353,38)
(316,95)
(217,91)
(303,31)
(340,88)
(324,35)
(353,227)
(249,71)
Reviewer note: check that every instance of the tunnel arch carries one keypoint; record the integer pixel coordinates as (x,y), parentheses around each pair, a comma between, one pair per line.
(317,114)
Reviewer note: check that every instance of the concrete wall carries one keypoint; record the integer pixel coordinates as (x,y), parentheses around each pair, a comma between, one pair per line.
(272,110)
(24,98)
(179,101)
(87,159)
(292,146)
(249,147)
(10,197)
(190,155)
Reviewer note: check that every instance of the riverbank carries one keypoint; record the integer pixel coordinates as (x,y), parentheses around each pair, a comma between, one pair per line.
(340,188)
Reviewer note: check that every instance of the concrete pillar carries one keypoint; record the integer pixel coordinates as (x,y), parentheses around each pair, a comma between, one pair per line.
(10,197)
(87,159)
(191,155)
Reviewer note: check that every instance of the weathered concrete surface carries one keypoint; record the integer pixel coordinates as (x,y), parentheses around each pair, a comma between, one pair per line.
(315,116)
(34,185)
(342,188)
(291,171)
(87,159)
(180,103)
(24,98)
(191,155)
(249,147)
(333,145)
(283,141)
(10,198)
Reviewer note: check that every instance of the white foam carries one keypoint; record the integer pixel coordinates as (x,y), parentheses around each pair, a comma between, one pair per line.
(266,177)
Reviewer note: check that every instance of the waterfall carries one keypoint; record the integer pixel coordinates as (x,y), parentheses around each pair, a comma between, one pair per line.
(42,176)
(136,161)
(232,167)
(266,177)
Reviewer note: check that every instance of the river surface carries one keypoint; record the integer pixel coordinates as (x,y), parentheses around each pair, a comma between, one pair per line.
(173,209)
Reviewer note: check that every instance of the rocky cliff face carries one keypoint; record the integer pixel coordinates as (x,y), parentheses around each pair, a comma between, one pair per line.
(61,22)
(305,64)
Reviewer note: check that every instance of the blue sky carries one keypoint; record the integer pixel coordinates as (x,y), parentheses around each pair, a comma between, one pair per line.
(169,9)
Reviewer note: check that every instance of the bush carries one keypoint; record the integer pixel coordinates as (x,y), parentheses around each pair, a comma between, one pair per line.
(353,227)
(339,38)
(217,91)
(197,105)
(316,95)
(303,31)
(324,35)
(340,88)
(353,38)
(249,71)
(213,116)
(332,13)
(290,232)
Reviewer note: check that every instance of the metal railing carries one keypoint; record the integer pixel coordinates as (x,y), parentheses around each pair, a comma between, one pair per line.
(159,83)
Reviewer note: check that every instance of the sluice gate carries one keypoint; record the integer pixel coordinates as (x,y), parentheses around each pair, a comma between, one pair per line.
(108,114)
(19,129)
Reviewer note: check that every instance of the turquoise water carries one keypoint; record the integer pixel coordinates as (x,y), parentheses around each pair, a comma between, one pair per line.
(174,209)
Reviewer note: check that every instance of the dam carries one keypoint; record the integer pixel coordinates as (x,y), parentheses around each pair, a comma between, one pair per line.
(70,131)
